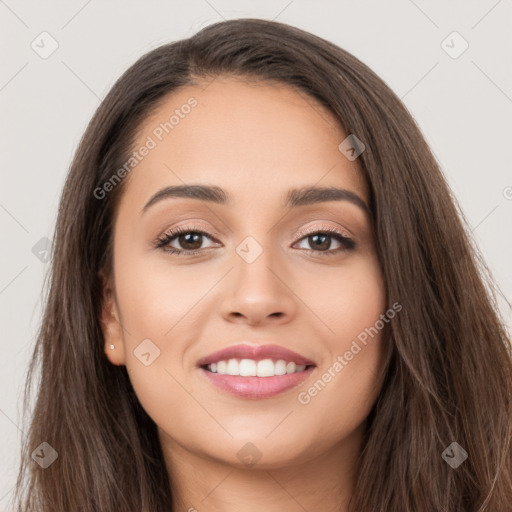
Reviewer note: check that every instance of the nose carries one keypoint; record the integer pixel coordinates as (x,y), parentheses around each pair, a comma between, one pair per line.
(259,292)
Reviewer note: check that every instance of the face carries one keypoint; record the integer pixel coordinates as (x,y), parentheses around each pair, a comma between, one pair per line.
(253,266)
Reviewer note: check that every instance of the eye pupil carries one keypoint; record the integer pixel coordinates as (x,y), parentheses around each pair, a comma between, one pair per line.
(322,244)
(191,238)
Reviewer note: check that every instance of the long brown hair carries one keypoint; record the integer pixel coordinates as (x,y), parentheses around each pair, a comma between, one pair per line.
(448,376)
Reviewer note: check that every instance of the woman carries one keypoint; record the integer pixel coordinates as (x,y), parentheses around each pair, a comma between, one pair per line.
(264,297)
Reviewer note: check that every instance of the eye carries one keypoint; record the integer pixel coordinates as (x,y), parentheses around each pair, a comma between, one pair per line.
(320,241)
(189,238)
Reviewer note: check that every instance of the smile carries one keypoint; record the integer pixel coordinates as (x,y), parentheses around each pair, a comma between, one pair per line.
(255,372)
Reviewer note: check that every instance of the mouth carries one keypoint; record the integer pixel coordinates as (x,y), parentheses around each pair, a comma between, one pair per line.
(256,372)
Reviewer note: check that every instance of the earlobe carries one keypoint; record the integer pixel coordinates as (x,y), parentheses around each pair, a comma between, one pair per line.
(110,323)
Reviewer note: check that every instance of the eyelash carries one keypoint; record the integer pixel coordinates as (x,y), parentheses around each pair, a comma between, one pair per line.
(163,241)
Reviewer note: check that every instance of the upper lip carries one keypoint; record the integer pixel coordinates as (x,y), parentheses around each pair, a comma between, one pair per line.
(244,351)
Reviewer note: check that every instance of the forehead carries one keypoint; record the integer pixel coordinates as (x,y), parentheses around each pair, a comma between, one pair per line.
(249,138)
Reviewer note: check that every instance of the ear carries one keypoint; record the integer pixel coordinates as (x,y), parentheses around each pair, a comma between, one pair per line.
(110,322)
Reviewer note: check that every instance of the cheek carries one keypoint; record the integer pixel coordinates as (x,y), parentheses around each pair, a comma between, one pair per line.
(346,300)
(157,312)
(155,295)
(161,303)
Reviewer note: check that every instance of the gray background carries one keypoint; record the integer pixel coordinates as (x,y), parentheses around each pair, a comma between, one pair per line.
(463,106)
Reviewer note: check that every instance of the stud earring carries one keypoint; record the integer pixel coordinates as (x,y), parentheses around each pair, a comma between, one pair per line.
(111,347)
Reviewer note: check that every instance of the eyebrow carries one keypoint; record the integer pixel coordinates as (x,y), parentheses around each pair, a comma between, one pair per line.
(295,197)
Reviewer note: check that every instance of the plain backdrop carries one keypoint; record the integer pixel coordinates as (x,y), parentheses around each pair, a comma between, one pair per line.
(449,61)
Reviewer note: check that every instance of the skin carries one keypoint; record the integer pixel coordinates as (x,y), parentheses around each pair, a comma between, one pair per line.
(255,140)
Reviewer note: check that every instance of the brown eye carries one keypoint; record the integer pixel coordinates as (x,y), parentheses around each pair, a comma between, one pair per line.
(321,241)
(189,241)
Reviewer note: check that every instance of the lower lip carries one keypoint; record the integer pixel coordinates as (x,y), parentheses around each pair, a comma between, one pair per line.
(257,387)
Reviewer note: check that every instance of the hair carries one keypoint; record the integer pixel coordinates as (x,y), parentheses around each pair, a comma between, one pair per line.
(448,371)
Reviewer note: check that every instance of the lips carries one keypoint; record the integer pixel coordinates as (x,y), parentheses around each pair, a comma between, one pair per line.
(257,353)
(255,372)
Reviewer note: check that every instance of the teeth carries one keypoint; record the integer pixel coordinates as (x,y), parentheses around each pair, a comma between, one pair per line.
(247,368)
(266,368)
(280,367)
(233,367)
(252,368)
